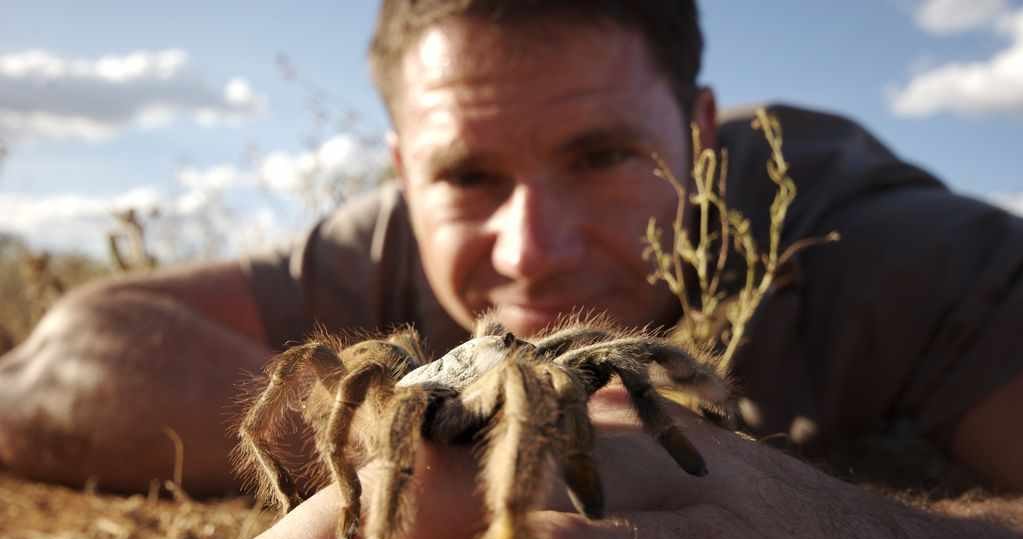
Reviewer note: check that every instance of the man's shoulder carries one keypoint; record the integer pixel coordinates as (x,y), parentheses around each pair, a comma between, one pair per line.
(368,240)
(353,269)
(361,268)
(362,219)
(834,161)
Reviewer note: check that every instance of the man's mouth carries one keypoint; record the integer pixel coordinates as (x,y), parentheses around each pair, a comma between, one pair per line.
(528,318)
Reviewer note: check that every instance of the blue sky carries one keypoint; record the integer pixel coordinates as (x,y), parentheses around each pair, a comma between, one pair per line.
(183,106)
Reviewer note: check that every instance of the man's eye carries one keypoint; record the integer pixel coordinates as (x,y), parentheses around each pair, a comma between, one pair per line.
(469,178)
(603,159)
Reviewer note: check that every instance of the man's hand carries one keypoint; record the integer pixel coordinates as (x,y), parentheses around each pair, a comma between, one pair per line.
(751,491)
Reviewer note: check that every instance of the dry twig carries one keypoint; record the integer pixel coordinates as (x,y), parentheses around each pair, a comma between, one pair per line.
(717,322)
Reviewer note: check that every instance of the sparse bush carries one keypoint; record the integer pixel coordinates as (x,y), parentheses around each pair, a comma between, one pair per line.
(715,322)
(32,281)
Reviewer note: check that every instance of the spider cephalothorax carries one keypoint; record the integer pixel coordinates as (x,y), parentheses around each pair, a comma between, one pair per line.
(523,402)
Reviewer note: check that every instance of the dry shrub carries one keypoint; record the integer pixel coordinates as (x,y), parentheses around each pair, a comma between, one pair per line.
(712,320)
(32,281)
(713,323)
(132,230)
(31,510)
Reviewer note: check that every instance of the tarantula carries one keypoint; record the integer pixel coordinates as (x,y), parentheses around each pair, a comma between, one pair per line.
(523,403)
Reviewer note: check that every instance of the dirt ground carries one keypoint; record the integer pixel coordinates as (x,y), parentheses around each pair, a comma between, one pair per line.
(36,511)
(30,510)
(899,465)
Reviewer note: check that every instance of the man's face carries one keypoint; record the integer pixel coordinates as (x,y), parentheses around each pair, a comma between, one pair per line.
(525,164)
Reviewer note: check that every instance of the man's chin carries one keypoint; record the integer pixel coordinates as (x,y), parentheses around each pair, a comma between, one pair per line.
(525,321)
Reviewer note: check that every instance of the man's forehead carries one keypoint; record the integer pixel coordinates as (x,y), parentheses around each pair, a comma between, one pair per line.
(474,52)
(470,67)
(460,42)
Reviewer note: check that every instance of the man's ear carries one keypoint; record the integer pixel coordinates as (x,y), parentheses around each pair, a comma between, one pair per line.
(705,114)
(394,146)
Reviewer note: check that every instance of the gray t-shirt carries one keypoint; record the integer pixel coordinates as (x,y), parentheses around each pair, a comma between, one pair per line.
(915,315)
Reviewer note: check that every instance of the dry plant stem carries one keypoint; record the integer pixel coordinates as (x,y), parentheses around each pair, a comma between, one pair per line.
(44,285)
(778,172)
(697,324)
(179,455)
(141,259)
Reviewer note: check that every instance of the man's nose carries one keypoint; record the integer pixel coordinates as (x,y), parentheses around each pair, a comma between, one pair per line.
(538,234)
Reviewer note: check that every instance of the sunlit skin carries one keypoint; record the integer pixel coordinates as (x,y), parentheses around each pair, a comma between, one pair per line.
(525,163)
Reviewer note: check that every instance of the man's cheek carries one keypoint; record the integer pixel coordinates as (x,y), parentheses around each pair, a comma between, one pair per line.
(462,257)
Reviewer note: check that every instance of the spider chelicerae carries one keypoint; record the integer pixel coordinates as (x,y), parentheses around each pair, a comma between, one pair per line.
(522,402)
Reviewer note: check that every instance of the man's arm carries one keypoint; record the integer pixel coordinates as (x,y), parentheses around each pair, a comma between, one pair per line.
(90,393)
(751,491)
(989,438)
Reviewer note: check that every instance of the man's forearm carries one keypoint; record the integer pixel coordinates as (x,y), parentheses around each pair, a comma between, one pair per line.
(756,491)
(984,514)
(796,500)
(219,292)
(90,393)
(857,517)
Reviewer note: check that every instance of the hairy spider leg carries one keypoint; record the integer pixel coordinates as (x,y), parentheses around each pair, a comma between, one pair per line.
(255,456)
(697,377)
(628,357)
(389,508)
(408,339)
(657,423)
(487,324)
(563,340)
(518,447)
(373,365)
(576,451)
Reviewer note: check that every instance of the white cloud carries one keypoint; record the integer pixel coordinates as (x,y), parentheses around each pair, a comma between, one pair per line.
(987,86)
(342,159)
(219,177)
(1012,202)
(342,165)
(70,222)
(240,94)
(215,211)
(23,213)
(46,95)
(194,224)
(15,125)
(951,16)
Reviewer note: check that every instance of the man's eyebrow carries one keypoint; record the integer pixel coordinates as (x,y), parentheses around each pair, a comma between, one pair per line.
(453,156)
(456,155)
(603,136)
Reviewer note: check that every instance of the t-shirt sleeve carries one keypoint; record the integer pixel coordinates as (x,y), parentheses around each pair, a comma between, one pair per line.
(278,294)
(332,276)
(356,272)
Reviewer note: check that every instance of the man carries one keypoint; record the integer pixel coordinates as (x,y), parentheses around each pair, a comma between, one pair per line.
(522,133)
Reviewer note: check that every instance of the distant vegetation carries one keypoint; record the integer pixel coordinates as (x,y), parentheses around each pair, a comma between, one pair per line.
(32,281)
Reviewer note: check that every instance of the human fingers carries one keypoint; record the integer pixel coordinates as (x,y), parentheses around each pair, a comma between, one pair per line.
(443,490)
(639,475)
(315,518)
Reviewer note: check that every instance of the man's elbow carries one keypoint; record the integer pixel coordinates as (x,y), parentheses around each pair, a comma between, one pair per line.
(92,390)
